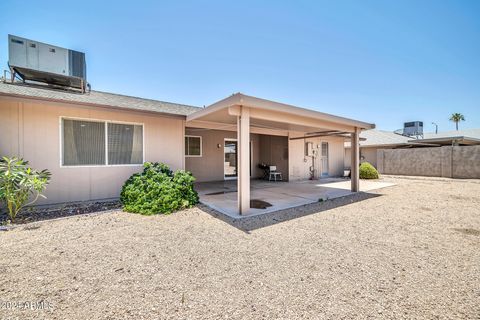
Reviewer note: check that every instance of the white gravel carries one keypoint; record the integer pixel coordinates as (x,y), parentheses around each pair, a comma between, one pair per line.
(413,251)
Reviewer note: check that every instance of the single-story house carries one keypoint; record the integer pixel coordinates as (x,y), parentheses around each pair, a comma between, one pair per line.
(92,142)
(373,140)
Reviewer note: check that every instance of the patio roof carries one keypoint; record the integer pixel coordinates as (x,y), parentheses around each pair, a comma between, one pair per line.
(273,115)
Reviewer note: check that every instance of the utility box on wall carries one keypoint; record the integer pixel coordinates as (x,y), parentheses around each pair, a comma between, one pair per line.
(37,61)
(308,149)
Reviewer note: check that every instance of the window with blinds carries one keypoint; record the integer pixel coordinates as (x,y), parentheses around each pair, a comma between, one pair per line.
(87,143)
(125,144)
(193,146)
(83,143)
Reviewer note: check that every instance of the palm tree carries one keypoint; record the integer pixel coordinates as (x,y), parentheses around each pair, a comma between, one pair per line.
(457,117)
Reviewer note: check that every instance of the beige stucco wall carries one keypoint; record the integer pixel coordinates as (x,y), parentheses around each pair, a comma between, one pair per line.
(347,160)
(287,155)
(209,167)
(31,129)
(369,155)
(452,162)
(299,168)
(366,155)
(274,151)
(465,161)
(413,162)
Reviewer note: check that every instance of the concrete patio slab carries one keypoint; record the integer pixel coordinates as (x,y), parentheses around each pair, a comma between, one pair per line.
(222,195)
(366,185)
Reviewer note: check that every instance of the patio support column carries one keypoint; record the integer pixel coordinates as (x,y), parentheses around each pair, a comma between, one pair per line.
(243,165)
(354,171)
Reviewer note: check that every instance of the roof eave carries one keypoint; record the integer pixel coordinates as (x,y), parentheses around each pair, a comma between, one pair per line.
(88,104)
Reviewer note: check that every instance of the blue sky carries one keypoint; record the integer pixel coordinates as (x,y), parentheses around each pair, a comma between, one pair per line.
(380,61)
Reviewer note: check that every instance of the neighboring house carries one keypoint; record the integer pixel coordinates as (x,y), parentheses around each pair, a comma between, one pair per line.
(93,142)
(373,140)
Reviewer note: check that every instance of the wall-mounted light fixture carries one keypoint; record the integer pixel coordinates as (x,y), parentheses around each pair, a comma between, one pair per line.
(219,146)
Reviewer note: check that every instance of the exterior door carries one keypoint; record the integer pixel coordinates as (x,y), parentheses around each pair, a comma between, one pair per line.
(324,159)
(230,159)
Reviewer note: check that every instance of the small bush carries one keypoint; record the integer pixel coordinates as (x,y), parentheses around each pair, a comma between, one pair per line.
(158,190)
(367,171)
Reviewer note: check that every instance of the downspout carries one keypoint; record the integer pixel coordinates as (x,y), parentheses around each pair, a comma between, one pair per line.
(183,145)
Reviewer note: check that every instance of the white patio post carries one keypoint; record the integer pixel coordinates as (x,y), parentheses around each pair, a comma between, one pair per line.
(243,165)
(354,171)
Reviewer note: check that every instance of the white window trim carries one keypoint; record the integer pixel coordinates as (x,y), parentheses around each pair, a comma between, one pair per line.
(201,147)
(106,122)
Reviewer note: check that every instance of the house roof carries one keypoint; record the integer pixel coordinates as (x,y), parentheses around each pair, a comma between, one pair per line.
(382,137)
(219,109)
(374,138)
(96,98)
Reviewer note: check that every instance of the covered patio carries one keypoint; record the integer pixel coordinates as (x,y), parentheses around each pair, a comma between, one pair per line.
(248,115)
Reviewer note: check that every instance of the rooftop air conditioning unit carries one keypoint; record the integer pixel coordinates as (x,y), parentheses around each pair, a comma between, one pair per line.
(413,129)
(37,61)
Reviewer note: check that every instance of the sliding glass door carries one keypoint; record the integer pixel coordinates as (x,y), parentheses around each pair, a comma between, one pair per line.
(230,159)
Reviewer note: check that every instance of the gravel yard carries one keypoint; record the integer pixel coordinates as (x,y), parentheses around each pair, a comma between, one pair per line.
(407,251)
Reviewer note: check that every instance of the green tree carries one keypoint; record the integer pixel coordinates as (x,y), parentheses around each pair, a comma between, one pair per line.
(457,117)
(19,183)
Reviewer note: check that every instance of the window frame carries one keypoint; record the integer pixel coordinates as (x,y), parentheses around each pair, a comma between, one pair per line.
(327,149)
(105,122)
(201,147)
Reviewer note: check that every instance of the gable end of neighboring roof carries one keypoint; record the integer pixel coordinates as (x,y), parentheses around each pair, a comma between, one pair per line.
(382,138)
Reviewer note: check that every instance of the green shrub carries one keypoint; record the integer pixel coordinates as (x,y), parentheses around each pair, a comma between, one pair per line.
(367,171)
(19,183)
(158,190)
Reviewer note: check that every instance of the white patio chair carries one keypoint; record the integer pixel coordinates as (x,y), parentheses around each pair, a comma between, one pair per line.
(273,173)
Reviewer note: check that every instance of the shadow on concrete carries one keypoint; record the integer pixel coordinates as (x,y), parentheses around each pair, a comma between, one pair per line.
(248,224)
